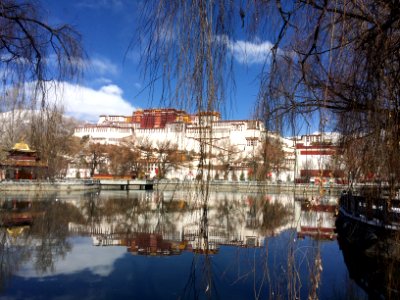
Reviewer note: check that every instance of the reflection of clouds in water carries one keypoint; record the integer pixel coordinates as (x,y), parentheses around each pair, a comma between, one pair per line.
(83,256)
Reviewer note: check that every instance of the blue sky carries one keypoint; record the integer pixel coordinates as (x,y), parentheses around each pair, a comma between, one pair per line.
(112,81)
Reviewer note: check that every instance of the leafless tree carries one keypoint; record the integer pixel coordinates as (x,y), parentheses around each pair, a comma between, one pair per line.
(334,62)
(34,52)
(227,156)
(122,160)
(184,47)
(146,150)
(340,63)
(168,157)
(270,156)
(51,134)
(34,57)
(95,156)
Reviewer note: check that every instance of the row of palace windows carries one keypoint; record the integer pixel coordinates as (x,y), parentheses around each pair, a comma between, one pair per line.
(103,129)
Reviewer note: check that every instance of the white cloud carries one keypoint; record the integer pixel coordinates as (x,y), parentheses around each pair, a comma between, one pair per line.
(245,52)
(87,103)
(251,53)
(111,89)
(102,66)
(83,256)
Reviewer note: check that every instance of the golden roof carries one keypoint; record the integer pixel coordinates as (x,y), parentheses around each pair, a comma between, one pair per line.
(16,231)
(22,147)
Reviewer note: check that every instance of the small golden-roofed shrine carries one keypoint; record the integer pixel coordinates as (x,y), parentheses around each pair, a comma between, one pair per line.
(22,163)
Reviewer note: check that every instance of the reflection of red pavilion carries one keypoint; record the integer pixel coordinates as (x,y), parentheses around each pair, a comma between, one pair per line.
(16,213)
(22,163)
(151,244)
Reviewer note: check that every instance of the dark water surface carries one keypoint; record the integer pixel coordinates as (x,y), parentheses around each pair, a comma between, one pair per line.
(163,245)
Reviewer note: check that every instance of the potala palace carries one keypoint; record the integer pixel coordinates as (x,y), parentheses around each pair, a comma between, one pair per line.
(239,140)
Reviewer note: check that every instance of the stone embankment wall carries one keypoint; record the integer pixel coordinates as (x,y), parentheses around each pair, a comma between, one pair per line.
(253,187)
(243,187)
(37,186)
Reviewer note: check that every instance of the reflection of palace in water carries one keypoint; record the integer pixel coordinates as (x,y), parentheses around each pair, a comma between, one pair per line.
(316,217)
(167,223)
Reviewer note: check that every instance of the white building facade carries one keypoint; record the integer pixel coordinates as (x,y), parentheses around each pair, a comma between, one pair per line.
(232,142)
(316,156)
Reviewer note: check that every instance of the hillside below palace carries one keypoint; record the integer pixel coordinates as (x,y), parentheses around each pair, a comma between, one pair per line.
(238,140)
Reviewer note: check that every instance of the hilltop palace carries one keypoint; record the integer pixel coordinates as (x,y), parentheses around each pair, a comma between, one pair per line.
(234,141)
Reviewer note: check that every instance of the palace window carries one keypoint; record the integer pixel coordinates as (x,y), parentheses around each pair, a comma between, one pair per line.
(252,142)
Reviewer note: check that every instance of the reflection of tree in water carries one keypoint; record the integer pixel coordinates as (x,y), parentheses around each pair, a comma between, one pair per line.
(271,276)
(166,213)
(229,214)
(200,280)
(130,213)
(267,216)
(256,215)
(51,232)
(12,254)
(282,268)
(40,233)
(97,209)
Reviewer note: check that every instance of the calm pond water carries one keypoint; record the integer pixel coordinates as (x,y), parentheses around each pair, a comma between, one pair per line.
(164,245)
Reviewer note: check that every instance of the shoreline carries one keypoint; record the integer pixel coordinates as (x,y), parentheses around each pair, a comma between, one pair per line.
(254,187)
(222,186)
(48,186)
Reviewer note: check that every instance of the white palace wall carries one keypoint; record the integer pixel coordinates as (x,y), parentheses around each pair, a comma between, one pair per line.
(242,137)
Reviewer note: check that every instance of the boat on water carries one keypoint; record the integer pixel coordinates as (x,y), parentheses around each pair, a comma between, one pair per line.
(375,208)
